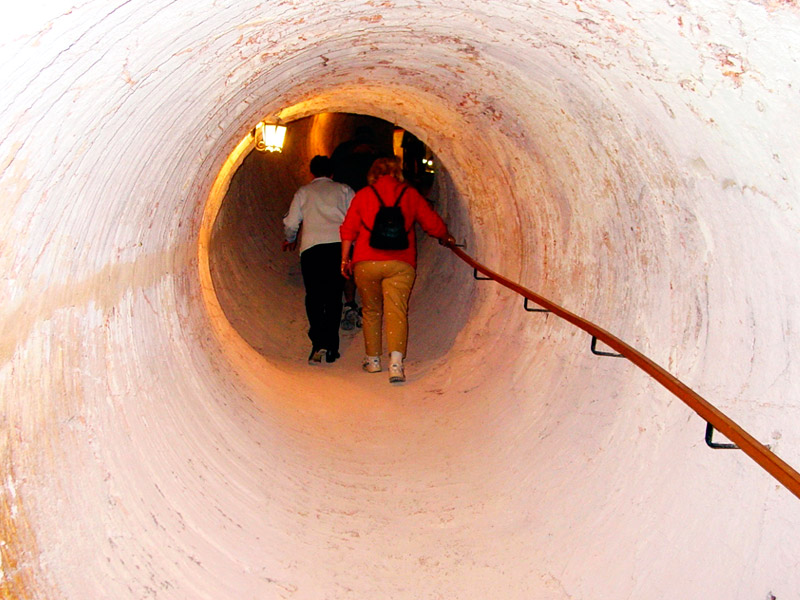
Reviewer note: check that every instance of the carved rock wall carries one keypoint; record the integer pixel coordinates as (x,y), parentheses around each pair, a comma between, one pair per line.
(637,165)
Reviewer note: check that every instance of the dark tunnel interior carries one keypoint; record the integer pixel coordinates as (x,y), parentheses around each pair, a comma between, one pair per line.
(260,288)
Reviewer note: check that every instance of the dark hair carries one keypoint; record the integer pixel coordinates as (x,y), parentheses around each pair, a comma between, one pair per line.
(321,166)
(364,132)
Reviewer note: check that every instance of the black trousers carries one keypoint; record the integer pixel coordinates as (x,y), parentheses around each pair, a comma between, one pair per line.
(324,284)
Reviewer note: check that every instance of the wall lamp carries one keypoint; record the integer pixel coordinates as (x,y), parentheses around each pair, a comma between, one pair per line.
(269,138)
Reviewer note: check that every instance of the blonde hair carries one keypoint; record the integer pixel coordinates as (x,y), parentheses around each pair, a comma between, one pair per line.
(385,166)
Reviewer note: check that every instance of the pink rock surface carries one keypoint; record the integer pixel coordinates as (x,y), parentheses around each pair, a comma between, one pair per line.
(162,435)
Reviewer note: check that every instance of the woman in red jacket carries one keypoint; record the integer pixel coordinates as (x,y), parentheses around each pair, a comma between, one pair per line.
(385,277)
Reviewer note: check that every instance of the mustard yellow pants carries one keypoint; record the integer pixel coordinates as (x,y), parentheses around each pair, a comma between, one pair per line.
(384,286)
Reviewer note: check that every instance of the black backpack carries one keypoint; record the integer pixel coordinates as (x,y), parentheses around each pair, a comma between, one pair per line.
(389,228)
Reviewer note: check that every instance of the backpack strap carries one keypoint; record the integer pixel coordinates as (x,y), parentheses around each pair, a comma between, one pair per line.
(382,203)
(377,195)
(400,197)
(380,200)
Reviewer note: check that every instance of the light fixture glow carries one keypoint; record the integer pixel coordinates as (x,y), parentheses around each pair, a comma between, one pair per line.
(269,138)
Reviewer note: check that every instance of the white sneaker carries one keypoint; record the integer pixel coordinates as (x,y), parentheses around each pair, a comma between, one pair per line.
(396,373)
(372,364)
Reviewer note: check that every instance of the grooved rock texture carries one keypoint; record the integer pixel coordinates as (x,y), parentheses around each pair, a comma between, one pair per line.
(162,436)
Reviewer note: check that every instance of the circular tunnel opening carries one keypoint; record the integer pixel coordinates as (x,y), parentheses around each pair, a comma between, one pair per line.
(620,160)
(260,288)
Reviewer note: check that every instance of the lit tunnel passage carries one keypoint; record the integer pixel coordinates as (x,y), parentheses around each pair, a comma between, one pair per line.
(259,288)
(636,165)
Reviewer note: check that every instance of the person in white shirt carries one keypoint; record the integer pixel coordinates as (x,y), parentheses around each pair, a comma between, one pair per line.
(320,206)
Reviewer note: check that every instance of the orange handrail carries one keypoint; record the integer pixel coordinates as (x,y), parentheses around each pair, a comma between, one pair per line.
(774,465)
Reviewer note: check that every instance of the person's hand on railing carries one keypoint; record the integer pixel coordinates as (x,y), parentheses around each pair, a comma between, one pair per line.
(448,240)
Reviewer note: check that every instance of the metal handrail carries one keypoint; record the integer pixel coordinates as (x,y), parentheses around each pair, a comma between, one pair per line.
(760,453)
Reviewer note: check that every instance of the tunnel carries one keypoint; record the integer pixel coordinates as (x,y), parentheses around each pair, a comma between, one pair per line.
(163,435)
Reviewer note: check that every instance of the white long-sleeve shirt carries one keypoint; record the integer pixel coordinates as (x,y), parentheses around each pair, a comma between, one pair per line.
(320,206)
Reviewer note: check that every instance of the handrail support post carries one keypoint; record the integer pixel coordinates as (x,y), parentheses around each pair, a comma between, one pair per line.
(601,352)
(717,445)
(525,305)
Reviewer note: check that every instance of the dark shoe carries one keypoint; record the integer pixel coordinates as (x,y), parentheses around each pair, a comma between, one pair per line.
(315,358)
(351,318)
(331,355)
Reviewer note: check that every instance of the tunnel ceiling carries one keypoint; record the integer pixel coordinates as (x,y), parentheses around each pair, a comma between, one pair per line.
(636,164)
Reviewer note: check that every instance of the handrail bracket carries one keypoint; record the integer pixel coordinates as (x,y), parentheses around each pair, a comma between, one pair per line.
(525,305)
(601,352)
(717,445)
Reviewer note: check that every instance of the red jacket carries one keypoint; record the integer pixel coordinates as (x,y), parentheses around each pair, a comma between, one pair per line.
(364,207)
